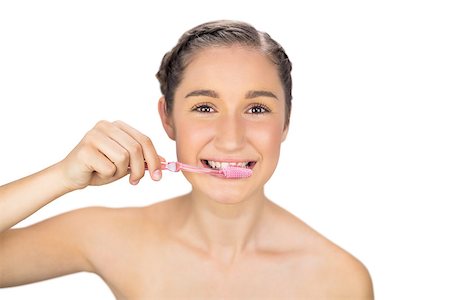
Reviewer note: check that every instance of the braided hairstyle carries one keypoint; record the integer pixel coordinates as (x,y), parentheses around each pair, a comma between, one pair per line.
(221,33)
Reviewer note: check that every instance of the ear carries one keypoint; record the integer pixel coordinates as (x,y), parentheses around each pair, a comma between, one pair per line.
(165,118)
(285,132)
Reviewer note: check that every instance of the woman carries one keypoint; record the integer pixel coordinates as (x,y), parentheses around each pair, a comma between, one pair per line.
(226,100)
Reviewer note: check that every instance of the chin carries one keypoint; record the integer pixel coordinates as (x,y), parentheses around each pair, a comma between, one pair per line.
(226,197)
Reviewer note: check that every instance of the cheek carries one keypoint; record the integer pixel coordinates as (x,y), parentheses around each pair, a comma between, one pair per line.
(267,139)
(190,137)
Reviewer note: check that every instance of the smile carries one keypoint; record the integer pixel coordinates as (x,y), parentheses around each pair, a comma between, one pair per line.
(221,164)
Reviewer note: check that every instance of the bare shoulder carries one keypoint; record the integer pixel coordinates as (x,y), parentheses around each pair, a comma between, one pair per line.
(342,274)
(99,228)
(128,220)
(321,267)
(122,224)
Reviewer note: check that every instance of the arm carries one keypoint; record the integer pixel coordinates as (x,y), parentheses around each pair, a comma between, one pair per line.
(25,196)
(48,249)
(56,246)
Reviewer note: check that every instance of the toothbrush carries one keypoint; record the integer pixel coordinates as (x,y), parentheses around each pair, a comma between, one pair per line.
(230,172)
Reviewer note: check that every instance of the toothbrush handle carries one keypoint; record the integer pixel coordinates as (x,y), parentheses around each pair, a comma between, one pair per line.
(175,166)
(194,169)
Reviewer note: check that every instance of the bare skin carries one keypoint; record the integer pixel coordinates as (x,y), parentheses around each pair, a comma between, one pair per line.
(158,252)
(224,240)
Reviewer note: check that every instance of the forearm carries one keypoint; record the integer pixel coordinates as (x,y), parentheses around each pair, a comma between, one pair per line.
(23,197)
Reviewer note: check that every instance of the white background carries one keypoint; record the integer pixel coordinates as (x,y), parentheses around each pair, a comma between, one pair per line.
(366,162)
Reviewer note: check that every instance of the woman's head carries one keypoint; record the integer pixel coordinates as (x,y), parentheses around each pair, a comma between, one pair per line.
(216,34)
(227,92)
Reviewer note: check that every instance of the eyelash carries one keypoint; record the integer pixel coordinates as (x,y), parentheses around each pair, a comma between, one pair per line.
(260,106)
(201,107)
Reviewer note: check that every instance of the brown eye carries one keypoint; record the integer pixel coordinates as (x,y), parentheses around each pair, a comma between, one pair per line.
(203,108)
(258,109)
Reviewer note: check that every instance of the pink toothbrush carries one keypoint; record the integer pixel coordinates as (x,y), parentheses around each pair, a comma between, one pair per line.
(230,172)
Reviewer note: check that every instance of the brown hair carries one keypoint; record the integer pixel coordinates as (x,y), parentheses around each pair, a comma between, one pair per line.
(221,33)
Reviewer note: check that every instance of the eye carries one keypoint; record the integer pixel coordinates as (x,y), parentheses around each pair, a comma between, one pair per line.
(203,108)
(258,109)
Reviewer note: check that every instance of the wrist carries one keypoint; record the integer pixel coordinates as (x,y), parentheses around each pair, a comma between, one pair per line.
(57,178)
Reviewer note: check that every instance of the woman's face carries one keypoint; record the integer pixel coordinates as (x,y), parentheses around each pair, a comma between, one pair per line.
(228,108)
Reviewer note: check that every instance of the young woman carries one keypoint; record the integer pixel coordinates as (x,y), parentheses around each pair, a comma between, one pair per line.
(226,100)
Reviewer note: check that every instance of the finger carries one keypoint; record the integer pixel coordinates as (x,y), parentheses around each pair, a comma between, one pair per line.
(98,164)
(136,165)
(117,154)
(105,169)
(148,150)
(161,160)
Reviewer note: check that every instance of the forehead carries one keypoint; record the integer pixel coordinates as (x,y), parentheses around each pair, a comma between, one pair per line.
(231,66)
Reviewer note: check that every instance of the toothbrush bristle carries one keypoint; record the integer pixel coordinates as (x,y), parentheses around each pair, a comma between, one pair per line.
(236,172)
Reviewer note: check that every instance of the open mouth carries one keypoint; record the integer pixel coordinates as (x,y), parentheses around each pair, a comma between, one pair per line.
(221,165)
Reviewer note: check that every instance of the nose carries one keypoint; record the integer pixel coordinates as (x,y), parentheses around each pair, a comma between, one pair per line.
(230,133)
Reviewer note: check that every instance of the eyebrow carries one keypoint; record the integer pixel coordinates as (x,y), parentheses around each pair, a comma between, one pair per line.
(249,95)
(256,94)
(207,93)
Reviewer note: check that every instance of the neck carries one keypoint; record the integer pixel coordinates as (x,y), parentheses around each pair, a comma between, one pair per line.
(225,230)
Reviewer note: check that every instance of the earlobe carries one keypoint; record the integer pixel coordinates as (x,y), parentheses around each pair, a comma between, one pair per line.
(165,118)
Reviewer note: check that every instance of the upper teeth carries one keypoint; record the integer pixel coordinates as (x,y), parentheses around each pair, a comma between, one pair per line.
(222,165)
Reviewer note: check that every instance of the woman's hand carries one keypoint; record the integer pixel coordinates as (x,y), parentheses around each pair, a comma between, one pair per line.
(106,153)
(110,151)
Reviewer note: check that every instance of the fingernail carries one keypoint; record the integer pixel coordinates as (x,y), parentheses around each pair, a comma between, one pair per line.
(134,182)
(156,175)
